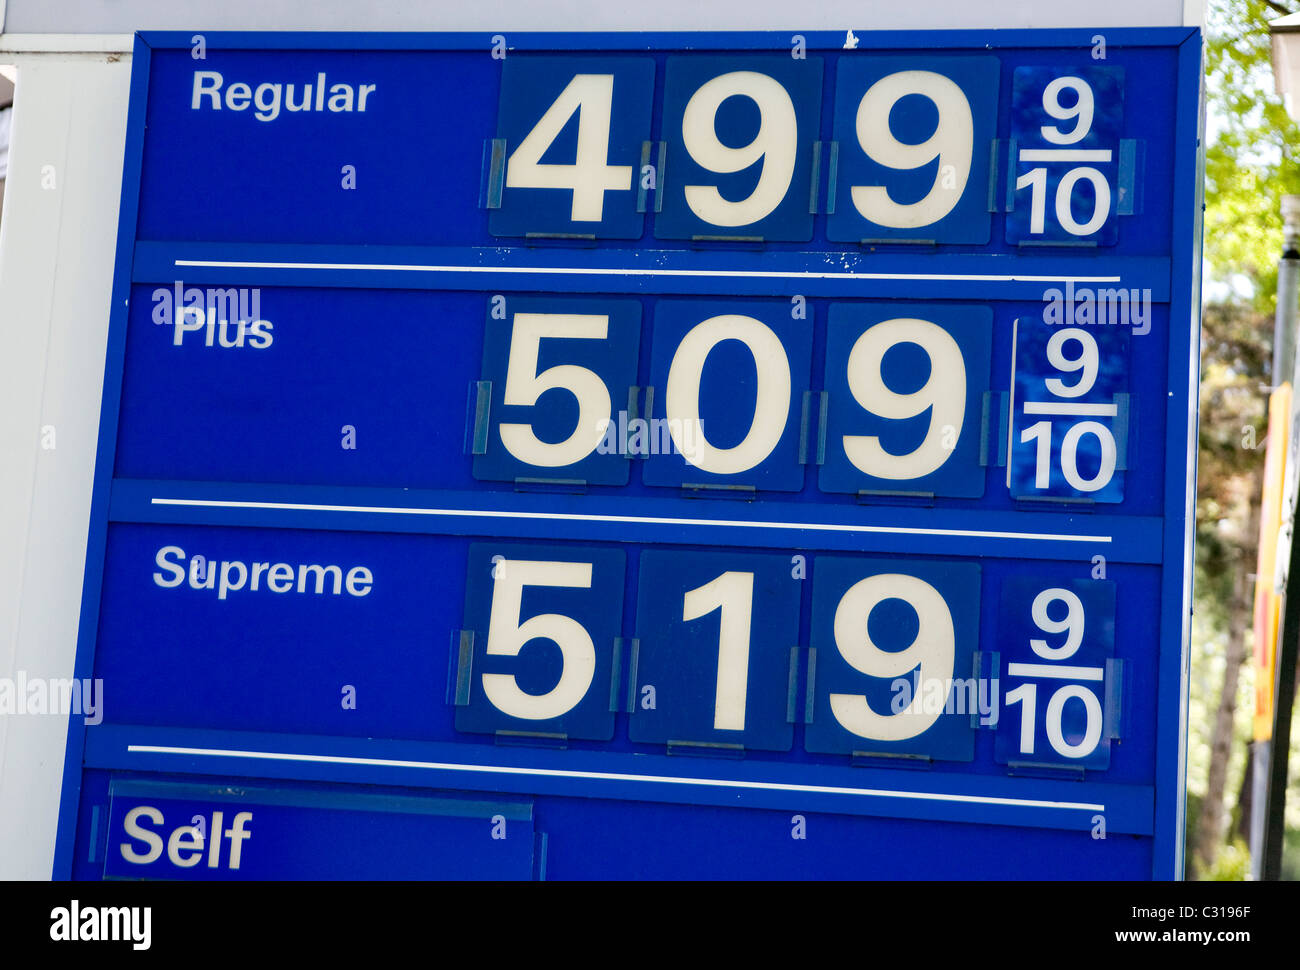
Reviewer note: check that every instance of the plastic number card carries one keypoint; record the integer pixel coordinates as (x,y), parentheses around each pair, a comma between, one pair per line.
(556,374)
(1065,152)
(567,157)
(740,132)
(893,669)
(911,156)
(542,621)
(1059,688)
(906,389)
(728,381)
(716,634)
(1070,408)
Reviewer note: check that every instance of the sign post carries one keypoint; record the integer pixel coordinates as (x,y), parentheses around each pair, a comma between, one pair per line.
(646,455)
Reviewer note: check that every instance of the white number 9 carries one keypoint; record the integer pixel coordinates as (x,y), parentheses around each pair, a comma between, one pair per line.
(1071,625)
(933,651)
(1086,363)
(1081,111)
(776,145)
(952,143)
(944,393)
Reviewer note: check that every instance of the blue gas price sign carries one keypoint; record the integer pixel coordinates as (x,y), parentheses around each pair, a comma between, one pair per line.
(667,439)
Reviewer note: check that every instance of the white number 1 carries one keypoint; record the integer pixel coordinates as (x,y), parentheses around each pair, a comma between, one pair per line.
(733,594)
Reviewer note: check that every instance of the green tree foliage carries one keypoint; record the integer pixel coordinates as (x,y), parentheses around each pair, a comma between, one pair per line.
(1236,347)
(1251,156)
(1236,351)
(1252,160)
(1250,163)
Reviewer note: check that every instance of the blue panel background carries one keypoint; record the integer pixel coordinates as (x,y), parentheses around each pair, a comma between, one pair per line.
(277,414)
(649,841)
(182,656)
(305,835)
(284,178)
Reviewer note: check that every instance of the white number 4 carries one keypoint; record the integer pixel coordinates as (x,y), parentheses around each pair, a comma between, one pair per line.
(590,175)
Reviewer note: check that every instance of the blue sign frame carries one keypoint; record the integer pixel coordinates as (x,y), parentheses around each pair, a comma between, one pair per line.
(878,818)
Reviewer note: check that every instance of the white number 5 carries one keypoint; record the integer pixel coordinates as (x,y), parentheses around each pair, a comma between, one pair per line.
(507,636)
(524,386)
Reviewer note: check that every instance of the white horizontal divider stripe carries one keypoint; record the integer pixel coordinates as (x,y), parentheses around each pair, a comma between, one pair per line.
(1065,155)
(635,271)
(1055,671)
(1071,408)
(613,776)
(641,519)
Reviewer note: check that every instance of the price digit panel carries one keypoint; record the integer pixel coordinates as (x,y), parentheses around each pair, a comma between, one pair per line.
(779,441)
(912,146)
(571,144)
(1066,143)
